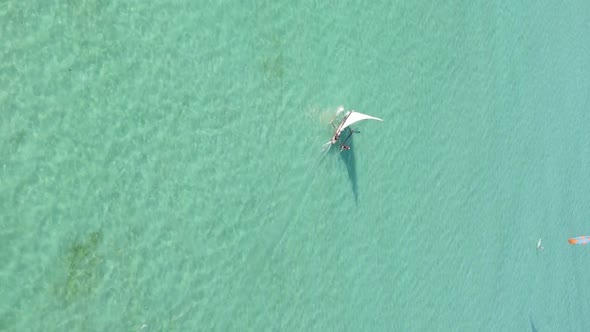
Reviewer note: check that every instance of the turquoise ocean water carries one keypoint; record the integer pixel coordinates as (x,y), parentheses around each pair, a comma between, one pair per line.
(161,166)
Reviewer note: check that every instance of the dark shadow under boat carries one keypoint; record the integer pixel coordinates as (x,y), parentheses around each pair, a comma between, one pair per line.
(533,327)
(349,161)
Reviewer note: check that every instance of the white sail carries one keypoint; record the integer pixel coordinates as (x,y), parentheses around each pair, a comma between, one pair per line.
(354,117)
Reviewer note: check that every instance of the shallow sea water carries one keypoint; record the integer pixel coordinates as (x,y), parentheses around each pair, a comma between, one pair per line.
(161,166)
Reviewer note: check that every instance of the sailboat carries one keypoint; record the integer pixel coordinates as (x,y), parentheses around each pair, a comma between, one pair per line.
(350,117)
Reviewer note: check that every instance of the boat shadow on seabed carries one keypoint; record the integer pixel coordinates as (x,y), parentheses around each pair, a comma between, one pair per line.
(349,161)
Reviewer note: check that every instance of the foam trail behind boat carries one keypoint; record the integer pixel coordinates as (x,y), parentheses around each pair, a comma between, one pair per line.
(325,149)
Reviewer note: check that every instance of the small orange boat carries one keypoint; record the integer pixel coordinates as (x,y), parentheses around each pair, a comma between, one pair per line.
(579,240)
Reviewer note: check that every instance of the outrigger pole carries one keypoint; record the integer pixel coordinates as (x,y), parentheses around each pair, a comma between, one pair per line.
(352,131)
(342,144)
